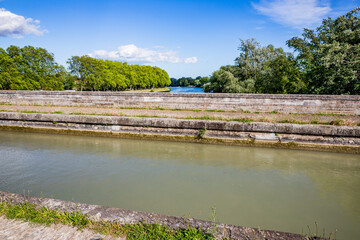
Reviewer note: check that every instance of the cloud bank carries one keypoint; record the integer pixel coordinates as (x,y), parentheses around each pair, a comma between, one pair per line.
(294,13)
(12,25)
(132,53)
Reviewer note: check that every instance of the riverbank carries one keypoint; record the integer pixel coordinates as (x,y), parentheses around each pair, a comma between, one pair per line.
(326,123)
(115,217)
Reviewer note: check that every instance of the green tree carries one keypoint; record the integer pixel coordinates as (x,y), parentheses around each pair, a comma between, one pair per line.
(104,75)
(258,69)
(330,55)
(30,68)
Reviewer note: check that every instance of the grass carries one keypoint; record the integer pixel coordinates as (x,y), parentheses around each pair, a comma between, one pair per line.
(141,231)
(150,116)
(316,235)
(30,213)
(204,117)
(244,120)
(202,133)
(214,110)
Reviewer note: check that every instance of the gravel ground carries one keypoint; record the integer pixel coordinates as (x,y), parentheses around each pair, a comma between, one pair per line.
(349,120)
(15,229)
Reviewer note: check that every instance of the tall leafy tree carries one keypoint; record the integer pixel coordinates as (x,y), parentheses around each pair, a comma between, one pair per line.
(104,75)
(330,55)
(258,70)
(30,68)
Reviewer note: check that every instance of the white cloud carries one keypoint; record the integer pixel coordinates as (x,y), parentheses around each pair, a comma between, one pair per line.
(132,53)
(17,26)
(158,47)
(294,13)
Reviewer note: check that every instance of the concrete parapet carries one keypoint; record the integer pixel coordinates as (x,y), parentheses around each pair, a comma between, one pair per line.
(262,127)
(328,104)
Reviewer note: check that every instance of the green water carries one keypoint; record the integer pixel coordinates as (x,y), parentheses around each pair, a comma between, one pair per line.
(275,189)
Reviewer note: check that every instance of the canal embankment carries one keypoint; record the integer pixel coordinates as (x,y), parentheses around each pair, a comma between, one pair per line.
(103,214)
(318,122)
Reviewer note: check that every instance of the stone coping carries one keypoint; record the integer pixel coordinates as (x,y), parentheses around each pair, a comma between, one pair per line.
(283,128)
(188,95)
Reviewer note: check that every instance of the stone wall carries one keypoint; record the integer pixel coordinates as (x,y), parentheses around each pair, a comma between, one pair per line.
(118,122)
(279,135)
(339,104)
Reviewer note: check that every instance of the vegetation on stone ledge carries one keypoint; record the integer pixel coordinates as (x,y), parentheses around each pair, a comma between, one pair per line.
(142,231)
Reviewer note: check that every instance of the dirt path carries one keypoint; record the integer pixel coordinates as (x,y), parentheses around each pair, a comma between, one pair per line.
(14,229)
(348,120)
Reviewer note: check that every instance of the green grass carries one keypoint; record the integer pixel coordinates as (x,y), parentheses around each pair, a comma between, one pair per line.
(201,133)
(140,231)
(150,116)
(244,120)
(204,117)
(214,110)
(30,213)
(31,111)
(336,122)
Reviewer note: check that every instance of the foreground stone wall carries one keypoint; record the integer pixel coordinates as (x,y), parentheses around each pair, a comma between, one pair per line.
(96,212)
(339,104)
(118,122)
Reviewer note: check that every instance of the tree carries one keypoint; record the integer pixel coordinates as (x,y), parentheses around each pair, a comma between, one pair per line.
(30,68)
(104,75)
(258,69)
(330,55)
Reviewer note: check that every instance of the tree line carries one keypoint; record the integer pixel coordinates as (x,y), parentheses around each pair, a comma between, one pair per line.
(327,62)
(31,68)
(189,81)
(104,75)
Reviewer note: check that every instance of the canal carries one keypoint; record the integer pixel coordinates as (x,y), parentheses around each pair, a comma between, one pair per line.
(283,190)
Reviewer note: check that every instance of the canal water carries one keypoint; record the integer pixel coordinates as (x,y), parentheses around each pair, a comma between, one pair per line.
(284,190)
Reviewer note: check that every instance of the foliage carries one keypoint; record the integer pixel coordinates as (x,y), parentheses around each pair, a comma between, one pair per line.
(29,212)
(330,55)
(104,75)
(144,231)
(30,68)
(258,70)
(328,62)
(201,133)
(189,81)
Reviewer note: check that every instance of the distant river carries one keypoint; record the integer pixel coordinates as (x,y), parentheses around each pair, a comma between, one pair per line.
(186,90)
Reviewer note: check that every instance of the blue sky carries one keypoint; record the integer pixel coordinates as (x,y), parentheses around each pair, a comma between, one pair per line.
(186,38)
